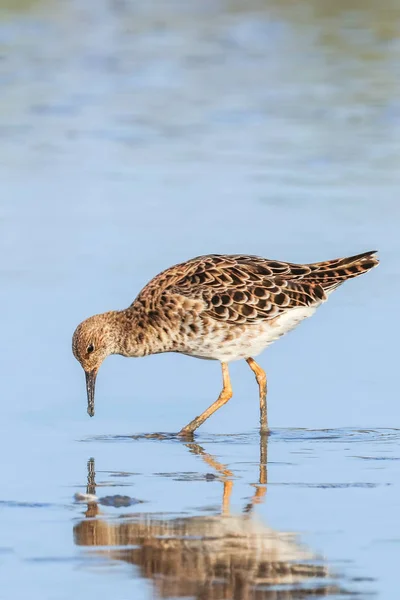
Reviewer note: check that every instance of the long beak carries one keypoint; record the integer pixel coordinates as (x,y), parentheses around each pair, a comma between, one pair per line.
(90,385)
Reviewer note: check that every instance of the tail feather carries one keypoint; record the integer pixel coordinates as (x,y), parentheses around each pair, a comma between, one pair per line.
(332,273)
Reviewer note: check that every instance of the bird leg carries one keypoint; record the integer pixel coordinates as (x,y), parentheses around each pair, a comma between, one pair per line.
(262,384)
(227,475)
(223,398)
(261,486)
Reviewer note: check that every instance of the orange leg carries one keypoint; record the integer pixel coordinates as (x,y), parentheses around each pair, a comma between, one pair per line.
(261,486)
(262,384)
(223,398)
(227,475)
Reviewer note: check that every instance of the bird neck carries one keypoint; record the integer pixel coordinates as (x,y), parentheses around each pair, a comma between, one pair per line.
(137,335)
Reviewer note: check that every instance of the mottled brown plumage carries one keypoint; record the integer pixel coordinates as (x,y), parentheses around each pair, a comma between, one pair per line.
(221,307)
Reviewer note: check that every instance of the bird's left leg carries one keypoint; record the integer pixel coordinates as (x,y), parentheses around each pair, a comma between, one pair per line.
(262,384)
(223,398)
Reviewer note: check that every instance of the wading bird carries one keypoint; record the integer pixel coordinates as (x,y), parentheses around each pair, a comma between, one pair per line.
(218,307)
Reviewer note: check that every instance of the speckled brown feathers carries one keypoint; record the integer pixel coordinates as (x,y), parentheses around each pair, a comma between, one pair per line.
(220,307)
(241,289)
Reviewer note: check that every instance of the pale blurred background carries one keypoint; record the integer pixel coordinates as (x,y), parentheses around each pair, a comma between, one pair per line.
(134,135)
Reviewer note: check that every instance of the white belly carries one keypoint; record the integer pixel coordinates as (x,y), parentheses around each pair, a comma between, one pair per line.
(247,341)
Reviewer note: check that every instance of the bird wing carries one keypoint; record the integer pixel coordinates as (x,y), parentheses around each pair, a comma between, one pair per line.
(241,289)
(245,289)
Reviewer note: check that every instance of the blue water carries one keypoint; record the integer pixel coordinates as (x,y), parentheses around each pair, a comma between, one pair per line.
(134,136)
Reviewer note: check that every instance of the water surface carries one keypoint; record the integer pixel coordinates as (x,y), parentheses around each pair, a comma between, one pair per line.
(133,136)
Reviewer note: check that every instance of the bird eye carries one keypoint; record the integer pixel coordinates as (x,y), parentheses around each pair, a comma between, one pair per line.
(90,349)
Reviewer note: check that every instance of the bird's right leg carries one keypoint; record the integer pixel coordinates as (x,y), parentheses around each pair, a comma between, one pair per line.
(262,384)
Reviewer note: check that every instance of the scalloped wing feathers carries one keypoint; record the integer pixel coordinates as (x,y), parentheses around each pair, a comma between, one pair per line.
(241,289)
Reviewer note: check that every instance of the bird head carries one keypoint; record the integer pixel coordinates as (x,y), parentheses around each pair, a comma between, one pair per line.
(94,340)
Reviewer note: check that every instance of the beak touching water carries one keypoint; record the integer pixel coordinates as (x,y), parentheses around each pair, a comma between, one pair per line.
(90,386)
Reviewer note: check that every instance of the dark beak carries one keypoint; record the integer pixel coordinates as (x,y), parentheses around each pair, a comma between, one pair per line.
(90,385)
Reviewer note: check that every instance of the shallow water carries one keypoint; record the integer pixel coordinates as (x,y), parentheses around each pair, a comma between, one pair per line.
(135,135)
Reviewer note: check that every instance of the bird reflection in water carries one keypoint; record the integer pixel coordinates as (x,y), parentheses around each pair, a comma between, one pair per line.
(214,557)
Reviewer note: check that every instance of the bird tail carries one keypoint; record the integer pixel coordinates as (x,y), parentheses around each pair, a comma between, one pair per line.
(332,273)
